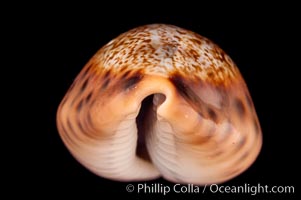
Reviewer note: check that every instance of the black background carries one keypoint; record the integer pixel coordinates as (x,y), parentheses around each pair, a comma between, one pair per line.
(261,42)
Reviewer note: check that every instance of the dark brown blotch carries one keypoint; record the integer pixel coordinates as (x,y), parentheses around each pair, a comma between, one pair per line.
(182,88)
(196,41)
(125,75)
(79,106)
(107,75)
(242,142)
(84,85)
(240,107)
(88,97)
(212,114)
(204,109)
(256,126)
(211,75)
(132,81)
(187,93)
(222,56)
(105,84)
(123,68)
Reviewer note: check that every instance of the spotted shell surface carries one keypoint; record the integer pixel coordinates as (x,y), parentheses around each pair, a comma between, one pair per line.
(160,100)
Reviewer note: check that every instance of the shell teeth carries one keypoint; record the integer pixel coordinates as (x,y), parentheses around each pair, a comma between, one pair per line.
(161,101)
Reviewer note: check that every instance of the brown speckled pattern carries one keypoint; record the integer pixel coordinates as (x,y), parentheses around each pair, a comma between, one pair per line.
(201,126)
(163,50)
